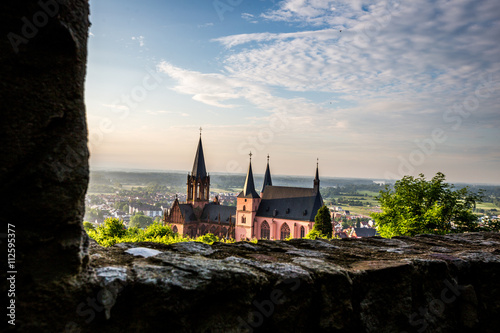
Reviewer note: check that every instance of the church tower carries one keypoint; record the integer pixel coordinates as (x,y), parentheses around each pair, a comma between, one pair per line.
(267,178)
(247,204)
(316,179)
(198,182)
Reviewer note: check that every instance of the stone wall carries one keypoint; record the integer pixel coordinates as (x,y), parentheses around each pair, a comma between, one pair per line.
(43,140)
(426,283)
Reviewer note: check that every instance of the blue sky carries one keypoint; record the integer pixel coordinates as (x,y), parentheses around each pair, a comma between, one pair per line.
(374,89)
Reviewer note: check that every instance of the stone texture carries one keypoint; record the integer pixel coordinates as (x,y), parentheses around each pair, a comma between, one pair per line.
(347,285)
(43,140)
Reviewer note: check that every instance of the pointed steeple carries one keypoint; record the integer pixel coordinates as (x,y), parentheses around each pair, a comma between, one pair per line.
(267,176)
(199,170)
(249,188)
(316,179)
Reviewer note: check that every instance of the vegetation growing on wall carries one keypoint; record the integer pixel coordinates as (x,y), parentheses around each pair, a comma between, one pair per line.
(113,231)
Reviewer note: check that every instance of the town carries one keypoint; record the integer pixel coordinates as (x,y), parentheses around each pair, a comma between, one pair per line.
(141,198)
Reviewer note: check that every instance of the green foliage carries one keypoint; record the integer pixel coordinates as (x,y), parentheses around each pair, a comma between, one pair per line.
(121,205)
(88,226)
(93,214)
(139,220)
(314,233)
(112,227)
(208,239)
(111,233)
(323,222)
(416,206)
(158,230)
(347,223)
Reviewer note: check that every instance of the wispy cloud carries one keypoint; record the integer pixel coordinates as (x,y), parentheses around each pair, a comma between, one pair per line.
(139,39)
(249,17)
(399,65)
(206,25)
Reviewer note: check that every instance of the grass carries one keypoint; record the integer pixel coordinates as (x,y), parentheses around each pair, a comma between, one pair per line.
(486,205)
(370,193)
(358,210)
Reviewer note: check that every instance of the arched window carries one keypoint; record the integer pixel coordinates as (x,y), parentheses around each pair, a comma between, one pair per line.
(244,207)
(302,232)
(243,219)
(212,230)
(203,229)
(224,232)
(175,229)
(265,231)
(285,231)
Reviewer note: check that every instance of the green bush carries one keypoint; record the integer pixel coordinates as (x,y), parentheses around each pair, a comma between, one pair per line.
(112,227)
(88,226)
(158,230)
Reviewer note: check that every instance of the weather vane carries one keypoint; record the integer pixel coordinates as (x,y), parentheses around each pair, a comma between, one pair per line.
(250,155)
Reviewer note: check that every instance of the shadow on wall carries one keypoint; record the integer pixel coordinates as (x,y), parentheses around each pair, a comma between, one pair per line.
(44,159)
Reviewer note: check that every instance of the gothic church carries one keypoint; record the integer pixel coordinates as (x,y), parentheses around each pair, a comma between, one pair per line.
(278,212)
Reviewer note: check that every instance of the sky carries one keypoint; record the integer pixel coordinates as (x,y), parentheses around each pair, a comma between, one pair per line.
(373,89)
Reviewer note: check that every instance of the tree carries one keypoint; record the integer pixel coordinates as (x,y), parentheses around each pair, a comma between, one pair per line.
(323,222)
(112,227)
(139,220)
(417,206)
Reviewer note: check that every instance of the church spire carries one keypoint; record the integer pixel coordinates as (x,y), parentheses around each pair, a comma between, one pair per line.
(267,176)
(199,170)
(316,179)
(198,182)
(249,188)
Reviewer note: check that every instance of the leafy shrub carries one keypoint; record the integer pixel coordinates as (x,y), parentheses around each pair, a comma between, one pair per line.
(208,239)
(112,227)
(158,230)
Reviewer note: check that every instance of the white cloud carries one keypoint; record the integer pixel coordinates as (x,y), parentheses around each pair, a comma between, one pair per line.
(393,71)
(206,25)
(316,35)
(140,39)
(249,17)
(217,89)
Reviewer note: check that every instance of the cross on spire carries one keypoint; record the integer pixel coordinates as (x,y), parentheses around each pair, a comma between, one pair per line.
(267,158)
(250,155)
(200,130)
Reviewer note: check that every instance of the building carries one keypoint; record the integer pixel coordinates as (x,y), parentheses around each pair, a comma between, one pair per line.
(278,212)
(197,215)
(148,210)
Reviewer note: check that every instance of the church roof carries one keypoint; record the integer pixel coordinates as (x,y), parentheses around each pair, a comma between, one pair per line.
(293,203)
(199,170)
(267,176)
(249,188)
(316,178)
(187,212)
(212,211)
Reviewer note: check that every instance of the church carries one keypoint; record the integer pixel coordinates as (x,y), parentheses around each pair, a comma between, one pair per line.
(277,212)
